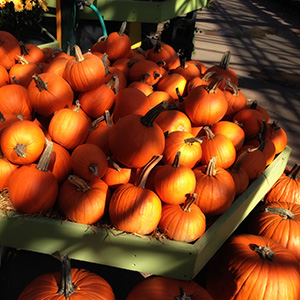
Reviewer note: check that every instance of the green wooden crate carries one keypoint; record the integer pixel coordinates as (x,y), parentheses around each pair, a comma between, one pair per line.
(127,251)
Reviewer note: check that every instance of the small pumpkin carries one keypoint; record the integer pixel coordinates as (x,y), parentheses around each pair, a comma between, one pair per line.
(9,49)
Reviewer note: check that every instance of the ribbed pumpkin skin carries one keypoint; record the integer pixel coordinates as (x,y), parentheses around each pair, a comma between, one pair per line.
(134,144)
(88,286)
(281,229)
(6,169)
(163,288)
(180,225)
(285,189)
(215,193)
(135,209)
(85,207)
(238,272)
(9,49)
(23,133)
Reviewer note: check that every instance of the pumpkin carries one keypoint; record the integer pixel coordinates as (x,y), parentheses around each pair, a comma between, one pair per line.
(197,81)
(135,148)
(116,175)
(254,105)
(22,142)
(32,53)
(277,135)
(142,85)
(6,120)
(187,69)
(173,120)
(141,67)
(49,93)
(6,169)
(236,100)
(163,288)
(134,208)
(117,44)
(124,64)
(170,83)
(183,223)
(215,188)
(83,201)
(84,72)
(9,49)
(173,182)
(217,145)
(23,71)
(33,188)
(96,101)
(4,77)
(253,267)
(69,283)
(68,127)
(286,188)
(57,66)
(88,161)
(157,97)
(232,130)
(60,163)
(279,221)
(164,52)
(130,101)
(188,145)
(223,70)
(206,105)
(14,99)
(99,46)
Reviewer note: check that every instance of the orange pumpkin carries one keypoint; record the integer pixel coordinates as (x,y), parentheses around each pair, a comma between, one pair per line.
(9,49)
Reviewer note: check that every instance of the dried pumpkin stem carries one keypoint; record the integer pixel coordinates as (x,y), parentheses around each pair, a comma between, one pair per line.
(209,134)
(147,169)
(95,123)
(176,160)
(183,295)
(212,87)
(78,53)
(20,150)
(2,118)
(67,287)
(123,28)
(15,80)
(192,140)
(40,83)
(237,165)
(77,106)
(24,48)
(210,170)
(283,212)
(80,183)
(264,252)
(114,164)
(104,59)
(207,76)
(294,171)
(22,60)
(233,87)
(188,203)
(108,118)
(94,169)
(224,63)
(150,116)
(45,158)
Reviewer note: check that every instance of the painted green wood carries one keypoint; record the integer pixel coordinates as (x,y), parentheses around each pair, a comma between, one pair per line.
(127,251)
(139,11)
(53,44)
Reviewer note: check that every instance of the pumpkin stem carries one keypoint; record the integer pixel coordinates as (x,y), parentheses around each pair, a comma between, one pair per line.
(210,170)
(114,84)
(157,47)
(224,63)
(180,97)
(20,116)
(122,29)
(150,116)
(80,183)
(294,171)
(95,123)
(94,169)
(238,163)
(253,104)
(24,48)
(40,83)
(133,61)
(67,287)
(147,169)
(53,50)
(176,160)
(144,77)
(2,118)
(183,295)
(77,106)
(188,203)
(22,60)
(209,134)
(207,76)
(156,74)
(15,80)
(212,87)
(283,212)
(192,140)
(264,252)
(104,59)
(45,158)
(78,53)
(20,150)
(114,164)
(183,64)
(233,87)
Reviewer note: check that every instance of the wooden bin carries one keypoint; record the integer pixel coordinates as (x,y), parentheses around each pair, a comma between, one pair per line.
(143,254)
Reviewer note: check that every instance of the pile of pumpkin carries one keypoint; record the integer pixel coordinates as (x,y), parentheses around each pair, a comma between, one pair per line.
(139,139)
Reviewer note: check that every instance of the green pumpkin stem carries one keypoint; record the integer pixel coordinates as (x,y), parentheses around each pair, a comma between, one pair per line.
(45,158)
(40,83)
(147,169)
(283,212)
(264,252)
(188,203)
(67,287)
(224,63)
(80,183)
(150,116)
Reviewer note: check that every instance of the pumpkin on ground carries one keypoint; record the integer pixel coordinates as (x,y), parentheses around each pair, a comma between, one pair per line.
(254,268)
